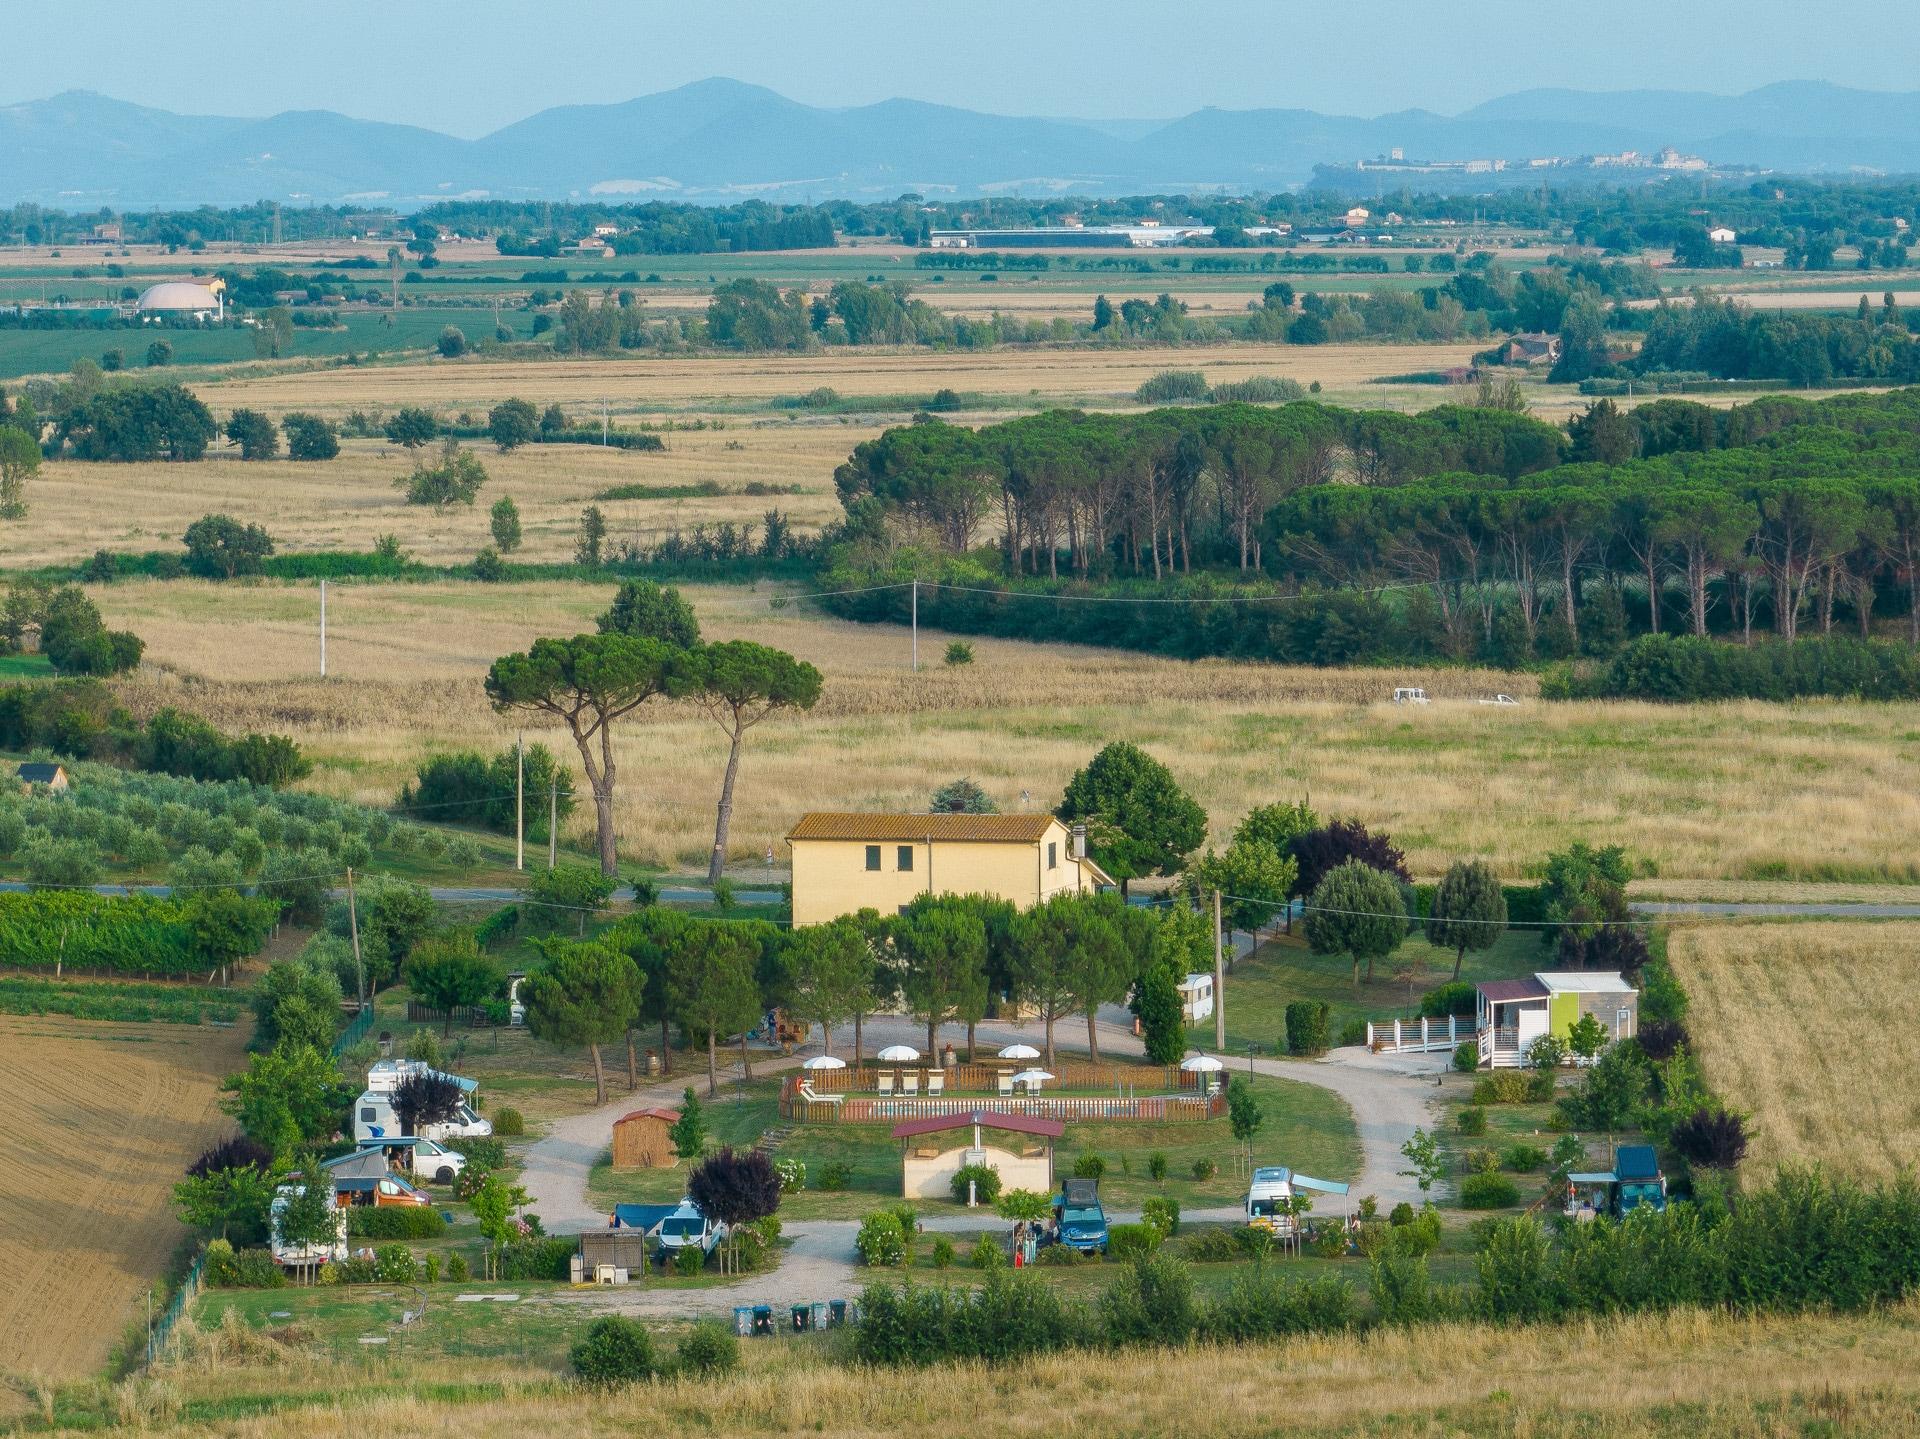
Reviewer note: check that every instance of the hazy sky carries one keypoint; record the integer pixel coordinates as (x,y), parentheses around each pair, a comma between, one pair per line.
(469,66)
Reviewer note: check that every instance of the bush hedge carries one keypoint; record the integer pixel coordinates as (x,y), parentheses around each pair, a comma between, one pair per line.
(1488,1191)
(1307,1024)
(1687,668)
(366,1221)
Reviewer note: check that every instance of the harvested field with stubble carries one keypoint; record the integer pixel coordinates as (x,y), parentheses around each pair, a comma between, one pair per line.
(100,1121)
(1808,1028)
(1645,1377)
(1827,790)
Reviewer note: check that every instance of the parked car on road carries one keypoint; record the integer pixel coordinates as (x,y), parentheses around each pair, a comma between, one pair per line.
(1078,1220)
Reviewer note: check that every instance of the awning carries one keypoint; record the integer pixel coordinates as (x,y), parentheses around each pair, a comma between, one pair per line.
(1319,1186)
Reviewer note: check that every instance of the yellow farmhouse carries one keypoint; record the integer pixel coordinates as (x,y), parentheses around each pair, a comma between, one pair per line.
(848,862)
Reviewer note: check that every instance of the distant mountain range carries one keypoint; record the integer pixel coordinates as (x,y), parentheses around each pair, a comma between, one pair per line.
(720,140)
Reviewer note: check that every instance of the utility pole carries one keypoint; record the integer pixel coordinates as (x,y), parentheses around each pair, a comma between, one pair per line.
(1219,980)
(916,627)
(605,424)
(353,928)
(553,819)
(323,629)
(520,801)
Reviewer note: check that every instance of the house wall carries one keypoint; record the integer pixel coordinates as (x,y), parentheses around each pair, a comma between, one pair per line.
(931,1176)
(1562,1010)
(1606,1009)
(831,878)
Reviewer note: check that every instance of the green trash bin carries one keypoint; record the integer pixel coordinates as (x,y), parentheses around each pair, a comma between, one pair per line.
(837,1313)
(802,1318)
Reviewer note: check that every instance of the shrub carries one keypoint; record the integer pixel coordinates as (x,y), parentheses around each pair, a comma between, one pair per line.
(943,1253)
(881,1240)
(1488,1191)
(230,1268)
(488,567)
(1549,1051)
(1061,1256)
(1130,1241)
(1466,1056)
(1162,1212)
(1661,1039)
(1503,1086)
(1210,1246)
(793,1174)
(688,1261)
(508,1122)
(1204,1169)
(1089,1166)
(1171,386)
(834,1176)
(709,1351)
(1259,390)
(365,1221)
(614,1350)
(1711,1138)
(1455,997)
(959,652)
(1307,1023)
(538,1258)
(1540,1086)
(1471,1121)
(484,1151)
(986,1254)
(984,1178)
(1480,1161)
(1402,1214)
(1152,1302)
(1157,1166)
(394,1264)
(456,1268)
(1523,1158)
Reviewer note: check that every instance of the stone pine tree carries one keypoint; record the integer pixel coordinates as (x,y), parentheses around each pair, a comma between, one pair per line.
(742,684)
(943,953)
(588,683)
(829,970)
(715,992)
(1139,821)
(1469,910)
(1356,911)
(585,994)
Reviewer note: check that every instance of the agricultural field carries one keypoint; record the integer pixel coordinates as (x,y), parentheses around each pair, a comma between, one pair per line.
(1642,1377)
(1747,790)
(101,1119)
(1803,1025)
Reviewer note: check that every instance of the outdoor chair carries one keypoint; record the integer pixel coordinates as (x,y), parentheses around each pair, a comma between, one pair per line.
(886,1081)
(910,1082)
(936,1084)
(1006,1085)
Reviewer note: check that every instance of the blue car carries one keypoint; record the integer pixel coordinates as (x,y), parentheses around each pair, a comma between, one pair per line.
(1078,1220)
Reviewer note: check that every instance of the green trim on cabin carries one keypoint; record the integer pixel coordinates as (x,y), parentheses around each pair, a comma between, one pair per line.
(1563,1009)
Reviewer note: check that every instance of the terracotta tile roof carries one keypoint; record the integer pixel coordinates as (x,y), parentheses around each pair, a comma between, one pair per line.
(986,828)
(671,1116)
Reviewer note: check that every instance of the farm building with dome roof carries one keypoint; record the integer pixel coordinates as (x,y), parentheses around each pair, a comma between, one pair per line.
(200,299)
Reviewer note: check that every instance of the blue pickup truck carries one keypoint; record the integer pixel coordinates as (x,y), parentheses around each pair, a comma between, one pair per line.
(1078,1220)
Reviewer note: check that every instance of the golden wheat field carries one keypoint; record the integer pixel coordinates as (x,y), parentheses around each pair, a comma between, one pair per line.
(1681,1375)
(1807,1027)
(100,1121)
(1822,790)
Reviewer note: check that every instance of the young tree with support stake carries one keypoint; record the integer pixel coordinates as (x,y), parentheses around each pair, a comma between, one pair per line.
(584,994)
(741,684)
(587,683)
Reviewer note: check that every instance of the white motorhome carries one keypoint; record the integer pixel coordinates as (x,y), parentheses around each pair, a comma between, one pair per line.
(373,1118)
(688,1228)
(300,1255)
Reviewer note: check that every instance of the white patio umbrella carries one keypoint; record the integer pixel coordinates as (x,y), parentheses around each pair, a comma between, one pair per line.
(899,1054)
(824,1061)
(1019,1051)
(1031,1076)
(1202,1064)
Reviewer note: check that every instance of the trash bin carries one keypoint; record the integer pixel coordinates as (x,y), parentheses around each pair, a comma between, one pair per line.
(802,1314)
(837,1313)
(763,1319)
(819,1316)
(743,1320)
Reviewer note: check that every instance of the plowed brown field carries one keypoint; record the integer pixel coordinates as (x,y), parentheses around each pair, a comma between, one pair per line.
(96,1123)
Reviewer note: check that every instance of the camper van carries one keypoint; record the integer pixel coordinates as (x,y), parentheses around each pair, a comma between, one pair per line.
(1273,1186)
(296,1256)
(688,1228)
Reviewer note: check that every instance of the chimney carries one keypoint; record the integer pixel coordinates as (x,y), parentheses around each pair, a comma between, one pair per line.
(1079,841)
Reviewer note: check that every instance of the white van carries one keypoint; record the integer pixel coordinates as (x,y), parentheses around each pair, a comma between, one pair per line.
(301,1255)
(422,1158)
(1410,695)
(373,1118)
(688,1228)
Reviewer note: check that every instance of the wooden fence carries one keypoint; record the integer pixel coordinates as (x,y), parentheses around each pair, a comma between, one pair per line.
(984,1079)
(864,1108)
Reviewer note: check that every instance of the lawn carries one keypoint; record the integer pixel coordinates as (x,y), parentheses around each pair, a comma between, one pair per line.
(1282,970)
(1306,1127)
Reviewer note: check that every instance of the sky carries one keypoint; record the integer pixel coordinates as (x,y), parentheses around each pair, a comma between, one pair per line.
(466,67)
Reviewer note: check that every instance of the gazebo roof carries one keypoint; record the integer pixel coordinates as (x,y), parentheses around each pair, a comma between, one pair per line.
(985,1118)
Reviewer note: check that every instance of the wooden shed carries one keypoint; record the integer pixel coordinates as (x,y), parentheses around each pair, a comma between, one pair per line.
(641,1140)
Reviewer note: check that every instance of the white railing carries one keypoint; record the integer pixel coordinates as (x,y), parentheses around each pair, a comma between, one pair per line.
(1418,1036)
